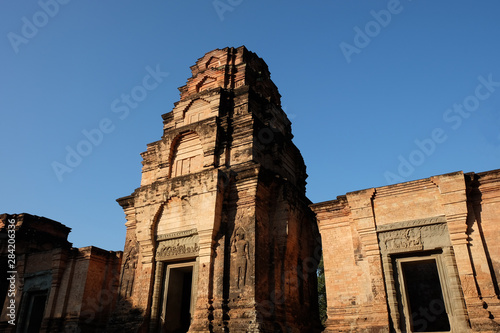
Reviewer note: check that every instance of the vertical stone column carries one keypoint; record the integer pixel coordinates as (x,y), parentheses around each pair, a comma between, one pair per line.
(156,306)
(483,198)
(453,194)
(127,204)
(59,260)
(477,250)
(242,250)
(143,285)
(220,300)
(392,298)
(203,306)
(458,310)
(362,213)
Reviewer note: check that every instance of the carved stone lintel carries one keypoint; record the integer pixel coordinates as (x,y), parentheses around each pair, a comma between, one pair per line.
(178,248)
(429,236)
(404,240)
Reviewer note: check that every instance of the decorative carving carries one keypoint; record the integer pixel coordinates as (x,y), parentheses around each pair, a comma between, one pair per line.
(435,230)
(178,247)
(239,246)
(129,266)
(430,236)
(468,286)
(404,240)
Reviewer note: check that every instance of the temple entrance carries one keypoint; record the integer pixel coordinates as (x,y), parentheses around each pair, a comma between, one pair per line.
(422,295)
(35,310)
(178,298)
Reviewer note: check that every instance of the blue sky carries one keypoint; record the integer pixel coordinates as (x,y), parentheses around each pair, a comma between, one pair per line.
(377,91)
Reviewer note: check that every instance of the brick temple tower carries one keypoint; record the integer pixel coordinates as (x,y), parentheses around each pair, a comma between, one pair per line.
(219,234)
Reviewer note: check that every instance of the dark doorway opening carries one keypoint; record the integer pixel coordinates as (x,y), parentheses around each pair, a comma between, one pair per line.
(424,296)
(36,309)
(178,301)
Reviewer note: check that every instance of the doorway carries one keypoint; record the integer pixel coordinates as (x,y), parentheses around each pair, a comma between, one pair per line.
(423,295)
(178,298)
(33,318)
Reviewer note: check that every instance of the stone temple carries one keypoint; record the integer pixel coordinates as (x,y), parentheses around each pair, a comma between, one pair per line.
(221,237)
(220,224)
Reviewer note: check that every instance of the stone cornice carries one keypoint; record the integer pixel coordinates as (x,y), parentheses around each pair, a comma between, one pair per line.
(405,188)
(331,205)
(178,234)
(127,201)
(412,223)
(489,185)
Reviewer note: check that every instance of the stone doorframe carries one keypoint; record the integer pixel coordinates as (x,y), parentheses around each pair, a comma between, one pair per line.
(414,240)
(436,257)
(174,250)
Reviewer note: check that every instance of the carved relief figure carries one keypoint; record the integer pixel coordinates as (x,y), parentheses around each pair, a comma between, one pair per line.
(129,267)
(239,246)
(176,250)
(403,239)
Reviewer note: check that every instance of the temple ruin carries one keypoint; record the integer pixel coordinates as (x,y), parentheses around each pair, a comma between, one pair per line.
(221,237)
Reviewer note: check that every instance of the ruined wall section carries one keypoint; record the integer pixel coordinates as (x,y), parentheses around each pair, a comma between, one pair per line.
(369,235)
(79,284)
(102,281)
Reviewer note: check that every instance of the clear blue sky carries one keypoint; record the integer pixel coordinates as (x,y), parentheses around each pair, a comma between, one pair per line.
(362,81)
